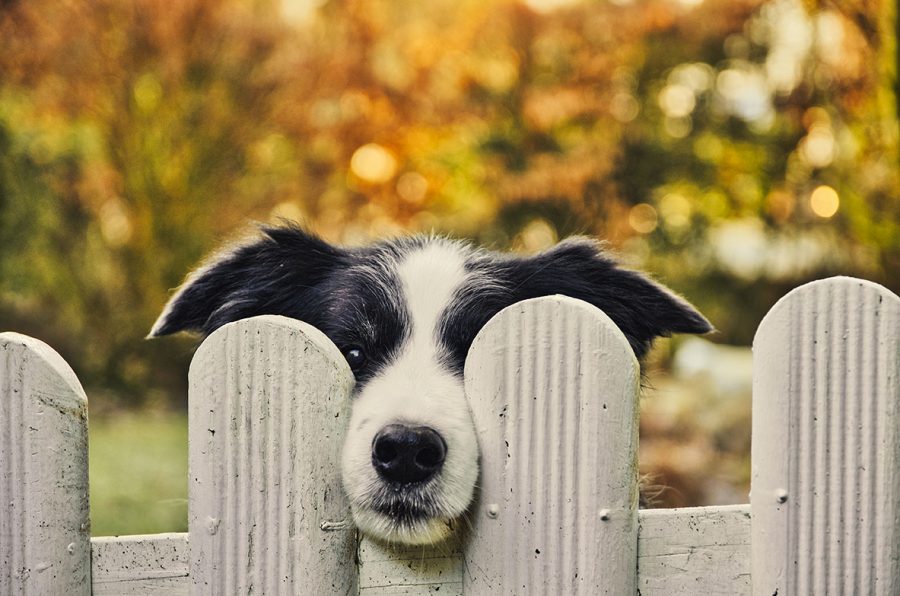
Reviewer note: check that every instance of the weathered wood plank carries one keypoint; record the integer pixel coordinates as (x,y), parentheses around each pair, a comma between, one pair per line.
(44,523)
(694,550)
(393,569)
(681,552)
(826,442)
(157,564)
(269,399)
(553,388)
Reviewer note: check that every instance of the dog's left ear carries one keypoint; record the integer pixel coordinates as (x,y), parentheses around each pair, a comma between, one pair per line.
(278,273)
(579,268)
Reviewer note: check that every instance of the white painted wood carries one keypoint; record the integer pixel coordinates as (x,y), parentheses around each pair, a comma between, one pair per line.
(44,523)
(396,569)
(268,410)
(552,385)
(681,552)
(553,388)
(156,565)
(826,442)
(694,550)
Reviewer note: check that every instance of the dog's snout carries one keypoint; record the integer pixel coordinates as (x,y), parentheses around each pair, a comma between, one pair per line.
(406,454)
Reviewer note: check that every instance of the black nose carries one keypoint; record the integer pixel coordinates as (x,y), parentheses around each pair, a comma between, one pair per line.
(406,454)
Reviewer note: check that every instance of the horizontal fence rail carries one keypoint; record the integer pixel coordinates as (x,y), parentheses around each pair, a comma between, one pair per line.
(553,391)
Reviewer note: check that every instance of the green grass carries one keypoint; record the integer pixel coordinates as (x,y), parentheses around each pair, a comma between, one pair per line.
(138,473)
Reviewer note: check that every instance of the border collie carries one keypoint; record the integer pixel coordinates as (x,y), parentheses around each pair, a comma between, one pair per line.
(404,312)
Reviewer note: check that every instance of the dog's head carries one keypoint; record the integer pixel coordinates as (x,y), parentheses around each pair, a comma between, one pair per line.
(404,314)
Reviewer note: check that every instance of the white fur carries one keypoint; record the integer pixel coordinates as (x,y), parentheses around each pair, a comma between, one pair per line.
(417,390)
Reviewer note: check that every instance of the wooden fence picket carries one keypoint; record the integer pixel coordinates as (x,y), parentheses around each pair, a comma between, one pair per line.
(269,400)
(552,385)
(553,388)
(44,518)
(826,442)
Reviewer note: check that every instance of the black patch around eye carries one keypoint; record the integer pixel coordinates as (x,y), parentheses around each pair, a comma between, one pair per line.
(364,316)
(469,311)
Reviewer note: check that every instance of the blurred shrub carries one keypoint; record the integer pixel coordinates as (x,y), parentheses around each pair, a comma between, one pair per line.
(734,148)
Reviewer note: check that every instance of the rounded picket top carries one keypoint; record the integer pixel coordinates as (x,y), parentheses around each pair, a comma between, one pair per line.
(268,407)
(44,520)
(553,388)
(826,442)
(312,337)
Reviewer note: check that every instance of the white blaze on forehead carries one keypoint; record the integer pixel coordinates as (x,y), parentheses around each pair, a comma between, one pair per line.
(429,277)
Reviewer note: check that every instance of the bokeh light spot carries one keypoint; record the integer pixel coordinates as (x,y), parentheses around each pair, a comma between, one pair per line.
(780,205)
(675,210)
(818,146)
(412,187)
(624,107)
(115,225)
(547,6)
(745,92)
(539,234)
(698,76)
(824,201)
(373,163)
(677,100)
(643,218)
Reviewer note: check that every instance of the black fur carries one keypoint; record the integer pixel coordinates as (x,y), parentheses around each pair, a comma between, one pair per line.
(281,273)
(577,268)
(353,296)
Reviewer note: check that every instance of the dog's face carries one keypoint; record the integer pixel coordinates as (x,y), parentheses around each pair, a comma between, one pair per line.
(404,313)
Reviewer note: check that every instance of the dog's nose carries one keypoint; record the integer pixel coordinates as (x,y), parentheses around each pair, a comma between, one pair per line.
(406,454)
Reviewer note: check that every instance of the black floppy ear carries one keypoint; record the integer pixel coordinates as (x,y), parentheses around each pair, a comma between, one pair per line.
(277,273)
(640,307)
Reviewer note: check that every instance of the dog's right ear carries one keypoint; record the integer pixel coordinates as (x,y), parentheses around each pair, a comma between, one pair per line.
(274,274)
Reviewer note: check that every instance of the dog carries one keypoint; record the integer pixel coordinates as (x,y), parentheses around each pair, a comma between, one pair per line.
(404,313)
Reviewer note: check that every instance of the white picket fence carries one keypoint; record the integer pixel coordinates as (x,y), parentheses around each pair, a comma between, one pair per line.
(553,388)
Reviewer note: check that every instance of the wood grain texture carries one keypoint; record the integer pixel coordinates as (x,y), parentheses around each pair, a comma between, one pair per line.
(44,523)
(681,552)
(268,410)
(694,550)
(826,442)
(396,569)
(553,388)
(157,564)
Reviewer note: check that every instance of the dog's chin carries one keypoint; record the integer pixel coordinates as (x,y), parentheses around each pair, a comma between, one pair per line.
(412,530)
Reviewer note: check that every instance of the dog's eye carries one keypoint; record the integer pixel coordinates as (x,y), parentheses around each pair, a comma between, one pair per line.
(355,357)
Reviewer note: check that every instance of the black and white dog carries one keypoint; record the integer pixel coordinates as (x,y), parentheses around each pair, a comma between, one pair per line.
(404,313)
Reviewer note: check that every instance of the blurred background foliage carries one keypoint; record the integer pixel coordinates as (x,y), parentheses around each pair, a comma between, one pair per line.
(733,148)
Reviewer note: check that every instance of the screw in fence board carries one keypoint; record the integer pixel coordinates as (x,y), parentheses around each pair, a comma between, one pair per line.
(44,516)
(269,399)
(826,442)
(553,388)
